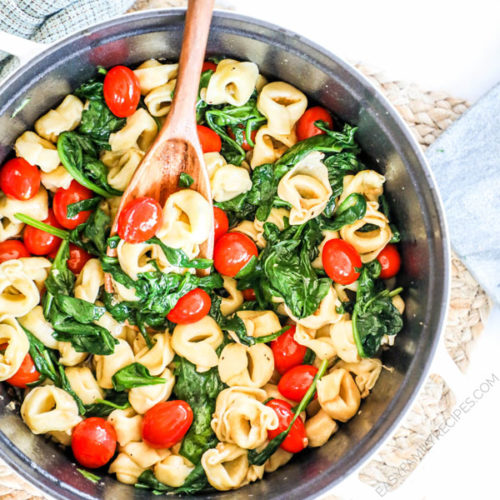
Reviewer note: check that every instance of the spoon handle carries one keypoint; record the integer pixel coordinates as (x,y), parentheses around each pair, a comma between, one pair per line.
(197,26)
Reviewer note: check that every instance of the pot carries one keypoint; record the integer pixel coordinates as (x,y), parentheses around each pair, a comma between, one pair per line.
(389,147)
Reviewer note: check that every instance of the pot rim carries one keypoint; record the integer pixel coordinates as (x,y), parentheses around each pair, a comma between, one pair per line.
(44,481)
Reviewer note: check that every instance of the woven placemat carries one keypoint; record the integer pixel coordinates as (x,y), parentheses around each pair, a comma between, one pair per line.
(428,114)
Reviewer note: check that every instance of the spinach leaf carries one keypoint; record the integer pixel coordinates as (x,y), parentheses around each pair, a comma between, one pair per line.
(177,257)
(353,208)
(78,154)
(185,180)
(103,407)
(202,105)
(134,375)
(374,314)
(260,458)
(384,208)
(74,209)
(80,310)
(200,391)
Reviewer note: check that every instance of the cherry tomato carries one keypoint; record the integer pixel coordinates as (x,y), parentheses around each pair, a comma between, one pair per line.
(139,220)
(209,140)
(249,294)
(287,351)
(78,257)
(244,144)
(190,307)
(305,126)
(39,242)
(122,91)
(390,261)
(93,442)
(341,261)
(296,440)
(296,381)
(232,252)
(166,423)
(221,223)
(64,197)
(208,65)
(19,179)
(12,249)
(26,374)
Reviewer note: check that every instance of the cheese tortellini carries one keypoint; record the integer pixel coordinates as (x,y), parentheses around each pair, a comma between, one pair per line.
(37,151)
(16,346)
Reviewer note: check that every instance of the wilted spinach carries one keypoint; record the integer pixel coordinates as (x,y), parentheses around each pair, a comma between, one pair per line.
(103,407)
(134,375)
(353,208)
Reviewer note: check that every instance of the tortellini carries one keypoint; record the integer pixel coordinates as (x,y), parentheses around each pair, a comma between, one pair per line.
(259,323)
(107,366)
(89,281)
(122,166)
(37,207)
(127,424)
(9,229)
(249,366)
(234,297)
(36,324)
(233,82)
(366,371)
(319,428)
(152,74)
(138,133)
(306,187)
(338,395)
(69,356)
(16,346)
(241,417)
(145,397)
(84,384)
(279,458)
(67,116)
(327,236)
(48,408)
(282,104)
(270,146)
(197,342)
(127,471)
(343,340)
(135,258)
(160,98)
(277,216)
(367,182)
(368,243)
(159,356)
(55,179)
(173,470)
(319,341)
(37,151)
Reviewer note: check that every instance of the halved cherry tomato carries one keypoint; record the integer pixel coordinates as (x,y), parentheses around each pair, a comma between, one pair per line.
(296,381)
(341,261)
(390,261)
(305,126)
(19,179)
(122,91)
(12,249)
(296,439)
(244,144)
(210,141)
(78,257)
(232,252)
(39,242)
(26,374)
(93,442)
(190,307)
(249,294)
(221,223)
(287,351)
(166,423)
(64,197)
(140,220)
(208,65)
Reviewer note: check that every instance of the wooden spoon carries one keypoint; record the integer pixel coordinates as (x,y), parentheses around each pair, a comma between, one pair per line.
(176,148)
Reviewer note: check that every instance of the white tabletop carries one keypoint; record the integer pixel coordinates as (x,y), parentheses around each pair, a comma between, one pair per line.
(439,45)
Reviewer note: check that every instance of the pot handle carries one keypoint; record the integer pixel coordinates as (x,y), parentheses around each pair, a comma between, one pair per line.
(19,47)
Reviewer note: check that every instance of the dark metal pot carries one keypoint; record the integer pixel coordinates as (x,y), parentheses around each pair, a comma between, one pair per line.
(387,142)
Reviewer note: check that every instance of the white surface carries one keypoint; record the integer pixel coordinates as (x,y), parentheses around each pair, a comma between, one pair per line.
(440,45)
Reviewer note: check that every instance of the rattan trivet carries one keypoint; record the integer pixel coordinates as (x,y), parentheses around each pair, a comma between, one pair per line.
(428,114)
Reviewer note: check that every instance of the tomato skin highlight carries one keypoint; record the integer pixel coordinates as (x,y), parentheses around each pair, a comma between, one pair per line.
(390,261)
(244,144)
(78,257)
(26,374)
(166,423)
(287,351)
(19,179)
(12,249)
(210,141)
(249,294)
(305,126)
(122,91)
(208,65)
(139,220)
(232,252)
(221,223)
(39,242)
(296,381)
(297,439)
(341,261)
(191,307)
(64,197)
(93,442)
